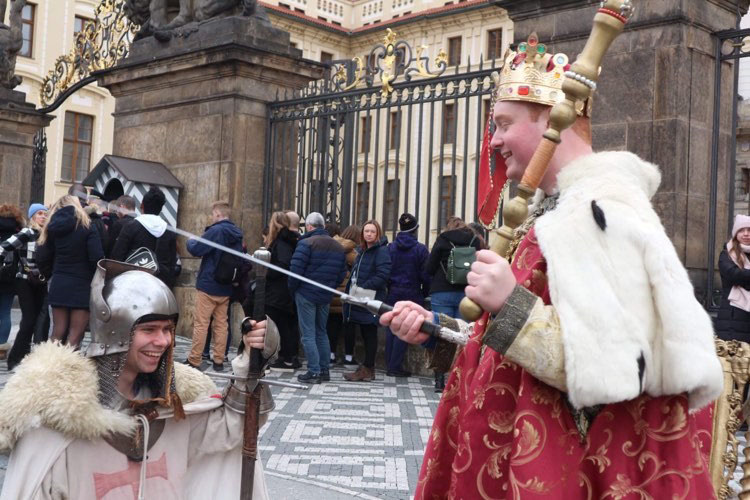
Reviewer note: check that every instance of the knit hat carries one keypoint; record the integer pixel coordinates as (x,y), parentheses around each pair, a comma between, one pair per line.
(740,222)
(407,223)
(34,208)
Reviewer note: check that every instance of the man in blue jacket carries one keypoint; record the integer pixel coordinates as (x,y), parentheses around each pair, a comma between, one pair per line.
(322,259)
(211,297)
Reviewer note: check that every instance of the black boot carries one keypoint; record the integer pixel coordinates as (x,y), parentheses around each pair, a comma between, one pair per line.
(439,382)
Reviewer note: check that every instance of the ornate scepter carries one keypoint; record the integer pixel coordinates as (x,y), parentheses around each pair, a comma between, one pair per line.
(578,85)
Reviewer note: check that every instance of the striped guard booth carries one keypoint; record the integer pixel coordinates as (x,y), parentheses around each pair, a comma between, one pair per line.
(115,176)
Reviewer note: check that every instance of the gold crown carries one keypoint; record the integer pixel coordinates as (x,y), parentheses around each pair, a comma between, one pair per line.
(531,74)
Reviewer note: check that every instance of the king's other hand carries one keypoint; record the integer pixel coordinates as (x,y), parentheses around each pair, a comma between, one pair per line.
(405,320)
(490,281)
(256,336)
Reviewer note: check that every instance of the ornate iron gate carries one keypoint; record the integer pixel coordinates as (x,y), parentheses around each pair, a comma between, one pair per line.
(731,45)
(355,151)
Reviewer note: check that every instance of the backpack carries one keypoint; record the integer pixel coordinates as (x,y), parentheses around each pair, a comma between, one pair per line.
(229,269)
(9,267)
(459,263)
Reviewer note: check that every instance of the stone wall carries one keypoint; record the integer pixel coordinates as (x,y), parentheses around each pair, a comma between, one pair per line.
(197,103)
(655,98)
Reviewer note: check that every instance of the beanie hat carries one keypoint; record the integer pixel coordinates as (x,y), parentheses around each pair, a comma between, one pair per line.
(407,223)
(34,208)
(740,222)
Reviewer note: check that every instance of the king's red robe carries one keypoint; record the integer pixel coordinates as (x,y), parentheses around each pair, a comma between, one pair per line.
(501,433)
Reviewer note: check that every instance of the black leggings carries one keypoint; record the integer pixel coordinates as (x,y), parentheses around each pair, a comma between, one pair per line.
(370,337)
(335,328)
(286,322)
(34,318)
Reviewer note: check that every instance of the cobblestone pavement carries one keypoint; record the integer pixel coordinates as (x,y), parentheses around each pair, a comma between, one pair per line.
(339,439)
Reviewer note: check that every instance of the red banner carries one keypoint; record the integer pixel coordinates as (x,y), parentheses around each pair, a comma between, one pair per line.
(491,180)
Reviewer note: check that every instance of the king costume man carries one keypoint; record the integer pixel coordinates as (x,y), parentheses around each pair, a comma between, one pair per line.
(589,376)
(76,426)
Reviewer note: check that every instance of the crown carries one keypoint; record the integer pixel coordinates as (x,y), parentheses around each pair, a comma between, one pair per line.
(531,74)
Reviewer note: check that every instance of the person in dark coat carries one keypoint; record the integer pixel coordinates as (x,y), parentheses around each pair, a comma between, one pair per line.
(73,247)
(445,297)
(733,319)
(212,297)
(409,281)
(31,287)
(149,230)
(125,213)
(11,221)
(95,209)
(281,242)
(371,271)
(319,258)
(349,239)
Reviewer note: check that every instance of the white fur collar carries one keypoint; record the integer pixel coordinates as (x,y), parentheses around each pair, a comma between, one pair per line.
(620,290)
(56,387)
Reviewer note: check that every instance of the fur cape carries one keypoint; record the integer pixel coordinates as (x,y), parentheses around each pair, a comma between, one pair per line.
(629,316)
(57,388)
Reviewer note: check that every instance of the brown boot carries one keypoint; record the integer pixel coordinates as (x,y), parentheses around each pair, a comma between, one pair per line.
(363,374)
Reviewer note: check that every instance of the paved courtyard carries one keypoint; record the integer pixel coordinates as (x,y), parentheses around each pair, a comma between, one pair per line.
(340,439)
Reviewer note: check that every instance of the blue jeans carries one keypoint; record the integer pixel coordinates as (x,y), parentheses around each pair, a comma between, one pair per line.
(447,303)
(312,325)
(6,302)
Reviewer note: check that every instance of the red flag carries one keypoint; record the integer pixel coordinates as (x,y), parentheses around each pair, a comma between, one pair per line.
(491,180)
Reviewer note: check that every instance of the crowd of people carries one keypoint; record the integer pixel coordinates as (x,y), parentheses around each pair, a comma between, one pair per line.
(359,261)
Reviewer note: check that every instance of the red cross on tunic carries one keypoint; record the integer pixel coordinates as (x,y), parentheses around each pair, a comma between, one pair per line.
(131,476)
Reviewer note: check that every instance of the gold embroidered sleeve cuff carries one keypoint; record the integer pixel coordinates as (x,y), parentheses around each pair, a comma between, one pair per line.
(502,330)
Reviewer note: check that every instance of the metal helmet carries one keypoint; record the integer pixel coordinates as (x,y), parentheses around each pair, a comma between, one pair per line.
(122,294)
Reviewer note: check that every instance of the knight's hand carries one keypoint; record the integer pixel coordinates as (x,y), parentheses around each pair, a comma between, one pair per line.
(490,281)
(255,336)
(405,320)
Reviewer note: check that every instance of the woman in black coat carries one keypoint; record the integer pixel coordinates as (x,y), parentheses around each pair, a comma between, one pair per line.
(71,247)
(281,242)
(11,221)
(371,271)
(733,320)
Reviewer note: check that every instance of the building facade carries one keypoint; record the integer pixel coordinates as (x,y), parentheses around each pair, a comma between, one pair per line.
(81,132)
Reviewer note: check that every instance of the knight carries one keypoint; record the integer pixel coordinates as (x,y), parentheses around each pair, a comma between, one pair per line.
(125,421)
(587,375)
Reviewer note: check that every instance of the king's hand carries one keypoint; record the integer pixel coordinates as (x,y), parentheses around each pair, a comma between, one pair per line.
(491,281)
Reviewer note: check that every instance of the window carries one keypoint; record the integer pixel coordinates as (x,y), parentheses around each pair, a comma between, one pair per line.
(336,23)
(395,132)
(27,29)
(322,18)
(76,146)
(293,44)
(285,6)
(446,198)
(325,56)
(400,59)
(297,9)
(363,195)
(78,24)
(391,204)
(317,196)
(494,43)
(449,122)
(745,182)
(454,51)
(366,128)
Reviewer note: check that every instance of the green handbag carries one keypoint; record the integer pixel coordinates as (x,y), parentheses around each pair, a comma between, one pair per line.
(459,263)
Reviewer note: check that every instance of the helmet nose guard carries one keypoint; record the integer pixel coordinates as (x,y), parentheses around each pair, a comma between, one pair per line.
(121,294)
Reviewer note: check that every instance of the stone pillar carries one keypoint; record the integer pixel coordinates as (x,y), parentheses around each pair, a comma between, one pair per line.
(19,122)
(655,98)
(197,103)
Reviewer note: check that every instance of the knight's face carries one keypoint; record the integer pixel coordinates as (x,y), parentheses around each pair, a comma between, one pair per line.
(516,136)
(150,341)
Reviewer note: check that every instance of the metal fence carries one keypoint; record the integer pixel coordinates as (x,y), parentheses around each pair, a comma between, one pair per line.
(355,152)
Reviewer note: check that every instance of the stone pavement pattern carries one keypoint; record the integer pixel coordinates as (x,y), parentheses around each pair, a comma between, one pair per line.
(339,439)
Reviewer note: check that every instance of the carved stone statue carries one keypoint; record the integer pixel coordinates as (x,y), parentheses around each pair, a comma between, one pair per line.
(157,17)
(11,41)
